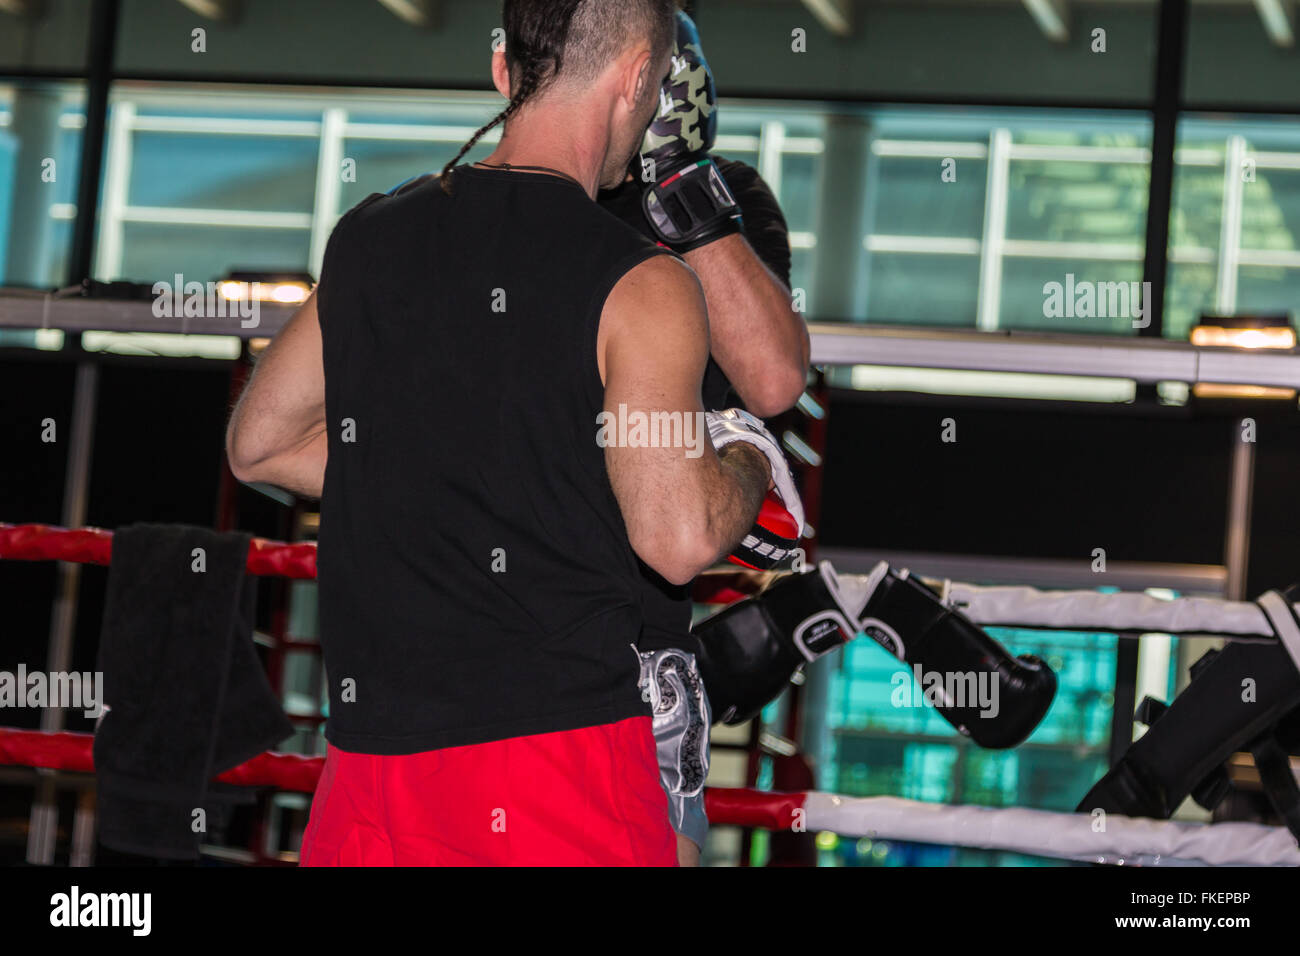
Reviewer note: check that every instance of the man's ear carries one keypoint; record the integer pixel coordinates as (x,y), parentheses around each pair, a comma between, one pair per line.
(500,73)
(638,79)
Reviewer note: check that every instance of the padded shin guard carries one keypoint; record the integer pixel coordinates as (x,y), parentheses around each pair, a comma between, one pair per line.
(1236,696)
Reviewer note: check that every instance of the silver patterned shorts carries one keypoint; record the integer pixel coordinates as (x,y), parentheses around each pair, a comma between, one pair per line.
(670,682)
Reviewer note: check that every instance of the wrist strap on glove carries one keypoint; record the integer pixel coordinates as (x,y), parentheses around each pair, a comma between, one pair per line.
(772,541)
(692,206)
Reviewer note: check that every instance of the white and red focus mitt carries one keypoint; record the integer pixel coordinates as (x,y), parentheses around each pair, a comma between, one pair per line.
(780,520)
(772,540)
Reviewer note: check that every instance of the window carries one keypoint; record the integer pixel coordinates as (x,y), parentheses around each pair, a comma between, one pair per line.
(40,153)
(1236,218)
(972,217)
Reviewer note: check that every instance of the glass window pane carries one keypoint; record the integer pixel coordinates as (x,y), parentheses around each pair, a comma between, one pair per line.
(222,172)
(1190,294)
(1078,201)
(798,191)
(40,159)
(919,289)
(1235,230)
(887,741)
(911,198)
(1013,193)
(153,252)
(1072,295)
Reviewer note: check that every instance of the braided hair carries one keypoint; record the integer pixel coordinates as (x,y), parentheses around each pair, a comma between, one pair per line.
(540,35)
(535,35)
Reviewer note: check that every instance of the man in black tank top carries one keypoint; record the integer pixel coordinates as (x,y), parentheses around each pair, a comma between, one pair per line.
(459,392)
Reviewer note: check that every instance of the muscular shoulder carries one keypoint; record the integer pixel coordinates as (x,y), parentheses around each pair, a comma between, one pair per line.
(655,314)
(658,283)
(661,296)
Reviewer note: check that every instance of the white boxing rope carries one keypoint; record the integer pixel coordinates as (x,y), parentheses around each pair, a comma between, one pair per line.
(1110,839)
(1122,611)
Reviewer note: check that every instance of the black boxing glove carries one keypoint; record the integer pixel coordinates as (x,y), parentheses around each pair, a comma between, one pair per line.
(951,652)
(750,649)
(686,199)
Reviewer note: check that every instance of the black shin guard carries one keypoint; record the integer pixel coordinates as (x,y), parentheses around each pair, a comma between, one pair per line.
(1237,698)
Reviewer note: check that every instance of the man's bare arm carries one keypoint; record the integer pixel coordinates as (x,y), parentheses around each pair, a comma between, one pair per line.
(682,511)
(277,432)
(759,341)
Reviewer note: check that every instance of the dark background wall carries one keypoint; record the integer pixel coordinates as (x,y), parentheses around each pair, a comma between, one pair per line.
(158,456)
(900,49)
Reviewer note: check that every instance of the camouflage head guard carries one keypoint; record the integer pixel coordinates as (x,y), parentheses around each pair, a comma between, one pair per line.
(685,121)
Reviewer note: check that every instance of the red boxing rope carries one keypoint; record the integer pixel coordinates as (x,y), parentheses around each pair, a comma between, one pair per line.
(743,807)
(73,752)
(43,542)
(64,750)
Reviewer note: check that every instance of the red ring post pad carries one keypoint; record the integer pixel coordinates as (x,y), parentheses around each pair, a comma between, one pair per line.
(43,542)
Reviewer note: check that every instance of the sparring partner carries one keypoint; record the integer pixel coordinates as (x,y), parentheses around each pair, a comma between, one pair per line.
(447,392)
(723,220)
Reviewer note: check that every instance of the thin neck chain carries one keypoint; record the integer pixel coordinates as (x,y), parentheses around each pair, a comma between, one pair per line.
(537,169)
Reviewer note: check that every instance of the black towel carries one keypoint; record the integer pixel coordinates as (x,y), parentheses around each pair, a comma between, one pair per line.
(186,697)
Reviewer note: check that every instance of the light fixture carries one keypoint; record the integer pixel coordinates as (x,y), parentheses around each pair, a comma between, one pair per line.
(1245,331)
(279,288)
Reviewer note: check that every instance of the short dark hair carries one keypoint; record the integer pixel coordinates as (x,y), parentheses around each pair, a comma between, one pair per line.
(574,40)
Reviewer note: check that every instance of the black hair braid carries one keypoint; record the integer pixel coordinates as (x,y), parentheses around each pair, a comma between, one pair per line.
(536,31)
(530,79)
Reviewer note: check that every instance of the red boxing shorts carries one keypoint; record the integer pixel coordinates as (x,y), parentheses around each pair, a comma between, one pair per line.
(586,797)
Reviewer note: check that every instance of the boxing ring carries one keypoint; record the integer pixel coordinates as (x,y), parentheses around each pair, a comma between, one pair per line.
(1084,837)
(1111,838)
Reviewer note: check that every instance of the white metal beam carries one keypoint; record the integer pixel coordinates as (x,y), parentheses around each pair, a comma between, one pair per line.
(835,15)
(1278,17)
(417,13)
(1051,17)
(1102,356)
(221,10)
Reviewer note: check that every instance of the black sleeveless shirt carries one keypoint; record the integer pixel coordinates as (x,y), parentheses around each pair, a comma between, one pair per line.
(475,576)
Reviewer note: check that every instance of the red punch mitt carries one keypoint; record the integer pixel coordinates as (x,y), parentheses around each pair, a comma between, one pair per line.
(772,540)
